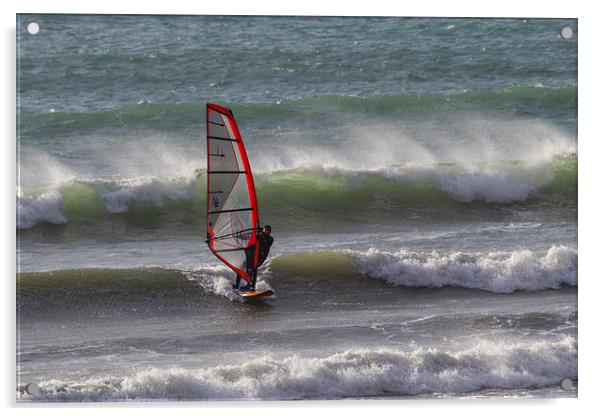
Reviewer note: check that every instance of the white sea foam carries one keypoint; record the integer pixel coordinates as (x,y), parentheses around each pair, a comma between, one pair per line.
(353,373)
(117,196)
(219,279)
(46,207)
(501,272)
(44,172)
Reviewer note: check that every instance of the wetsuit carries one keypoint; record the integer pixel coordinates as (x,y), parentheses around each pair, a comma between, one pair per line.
(265,243)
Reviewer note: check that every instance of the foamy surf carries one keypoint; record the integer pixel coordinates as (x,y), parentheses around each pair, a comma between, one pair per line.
(500,272)
(352,373)
(46,207)
(219,280)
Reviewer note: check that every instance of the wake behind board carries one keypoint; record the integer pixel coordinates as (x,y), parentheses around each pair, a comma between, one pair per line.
(254,294)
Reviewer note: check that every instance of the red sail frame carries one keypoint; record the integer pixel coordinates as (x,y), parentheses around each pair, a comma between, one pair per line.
(211,237)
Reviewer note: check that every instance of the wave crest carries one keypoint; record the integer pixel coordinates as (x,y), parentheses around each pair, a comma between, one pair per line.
(46,207)
(401,191)
(353,373)
(500,272)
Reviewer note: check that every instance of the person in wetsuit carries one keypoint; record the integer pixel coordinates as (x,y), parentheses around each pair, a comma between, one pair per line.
(265,240)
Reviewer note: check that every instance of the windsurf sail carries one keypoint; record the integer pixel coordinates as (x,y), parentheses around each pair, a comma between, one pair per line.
(232,214)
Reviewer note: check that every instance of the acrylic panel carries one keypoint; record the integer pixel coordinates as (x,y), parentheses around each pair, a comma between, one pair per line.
(419,175)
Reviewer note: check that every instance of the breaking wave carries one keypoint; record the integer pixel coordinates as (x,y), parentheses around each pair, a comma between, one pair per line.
(500,272)
(149,289)
(46,207)
(352,373)
(441,190)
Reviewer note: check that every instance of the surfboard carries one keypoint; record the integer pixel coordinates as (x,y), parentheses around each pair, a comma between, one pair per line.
(232,210)
(254,294)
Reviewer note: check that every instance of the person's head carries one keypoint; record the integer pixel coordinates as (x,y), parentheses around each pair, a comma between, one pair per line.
(267,230)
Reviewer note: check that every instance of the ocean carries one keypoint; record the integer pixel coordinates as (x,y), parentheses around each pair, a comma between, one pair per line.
(419,174)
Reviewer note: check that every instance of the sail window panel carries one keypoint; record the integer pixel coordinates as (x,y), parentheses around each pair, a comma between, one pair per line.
(236,258)
(235,227)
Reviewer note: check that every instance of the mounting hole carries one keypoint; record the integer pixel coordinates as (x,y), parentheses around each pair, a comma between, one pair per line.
(33,28)
(567,384)
(566,32)
(31,389)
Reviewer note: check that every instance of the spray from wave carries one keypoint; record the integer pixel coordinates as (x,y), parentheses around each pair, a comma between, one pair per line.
(58,190)
(120,195)
(219,280)
(376,162)
(353,373)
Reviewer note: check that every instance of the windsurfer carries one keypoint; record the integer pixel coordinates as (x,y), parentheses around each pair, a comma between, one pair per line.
(265,240)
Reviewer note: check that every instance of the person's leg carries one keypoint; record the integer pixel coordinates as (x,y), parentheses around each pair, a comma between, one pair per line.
(261,260)
(249,254)
(237,285)
(253,279)
(251,284)
(248,260)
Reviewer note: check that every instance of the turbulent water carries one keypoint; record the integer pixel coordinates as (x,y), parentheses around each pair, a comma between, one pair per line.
(420,176)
